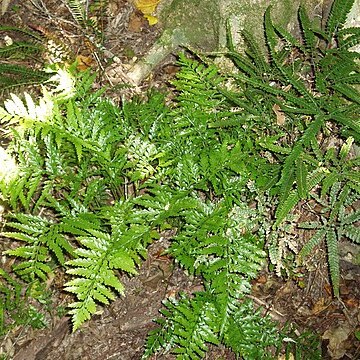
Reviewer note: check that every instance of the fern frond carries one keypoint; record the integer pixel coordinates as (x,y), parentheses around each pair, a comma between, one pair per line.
(314,241)
(306,27)
(20,48)
(78,10)
(38,232)
(337,17)
(247,329)
(94,275)
(102,254)
(285,207)
(189,327)
(348,38)
(333,259)
(301,175)
(256,55)
(352,232)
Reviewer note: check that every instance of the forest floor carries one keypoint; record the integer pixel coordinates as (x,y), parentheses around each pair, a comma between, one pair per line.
(120,330)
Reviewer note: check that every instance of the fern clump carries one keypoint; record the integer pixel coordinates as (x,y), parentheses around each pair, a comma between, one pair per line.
(314,99)
(223,165)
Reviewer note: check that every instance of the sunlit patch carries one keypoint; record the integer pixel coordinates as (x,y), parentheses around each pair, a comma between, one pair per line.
(8,168)
(66,84)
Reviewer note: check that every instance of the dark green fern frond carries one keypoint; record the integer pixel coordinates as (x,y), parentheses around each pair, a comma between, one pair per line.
(339,221)
(286,72)
(333,259)
(337,17)
(13,75)
(287,204)
(288,171)
(306,27)
(313,242)
(247,329)
(19,49)
(253,51)
(348,38)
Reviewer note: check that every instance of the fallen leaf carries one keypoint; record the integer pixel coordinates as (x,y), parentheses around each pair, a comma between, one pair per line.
(136,23)
(280,116)
(148,8)
(319,306)
(152,20)
(84,62)
(337,340)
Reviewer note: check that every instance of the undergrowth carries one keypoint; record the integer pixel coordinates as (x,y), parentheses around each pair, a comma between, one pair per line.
(225,166)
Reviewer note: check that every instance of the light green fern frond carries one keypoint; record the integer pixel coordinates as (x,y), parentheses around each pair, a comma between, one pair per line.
(93,270)
(189,327)
(42,238)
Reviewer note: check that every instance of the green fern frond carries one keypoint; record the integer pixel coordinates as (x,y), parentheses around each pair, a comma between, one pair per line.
(314,241)
(256,55)
(306,27)
(19,49)
(189,327)
(247,329)
(301,176)
(102,254)
(78,10)
(348,38)
(333,260)
(42,237)
(285,206)
(18,75)
(348,91)
(352,232)
(94,275)
(337,17)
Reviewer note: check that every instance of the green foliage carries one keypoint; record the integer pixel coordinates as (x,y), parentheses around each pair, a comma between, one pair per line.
(30,45)
(249,328)
(41,236)
(315,94)
(223,165)
(15,309)
(338,219)
(90,16)
(190,324)
(304,346)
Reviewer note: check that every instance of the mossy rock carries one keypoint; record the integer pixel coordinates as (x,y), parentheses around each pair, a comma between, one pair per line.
(201,23)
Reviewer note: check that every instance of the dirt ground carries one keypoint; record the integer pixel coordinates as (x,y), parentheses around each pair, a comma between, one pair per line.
(120,330)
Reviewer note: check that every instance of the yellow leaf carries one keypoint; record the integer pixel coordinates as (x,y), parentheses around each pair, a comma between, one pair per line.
(147,7)
(151,19)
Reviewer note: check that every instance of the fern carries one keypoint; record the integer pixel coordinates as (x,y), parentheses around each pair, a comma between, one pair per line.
(15,309)
(248,328)
(338,223)
(97,183)
(41,237)
(337,16)
(20,75)
(190,324)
